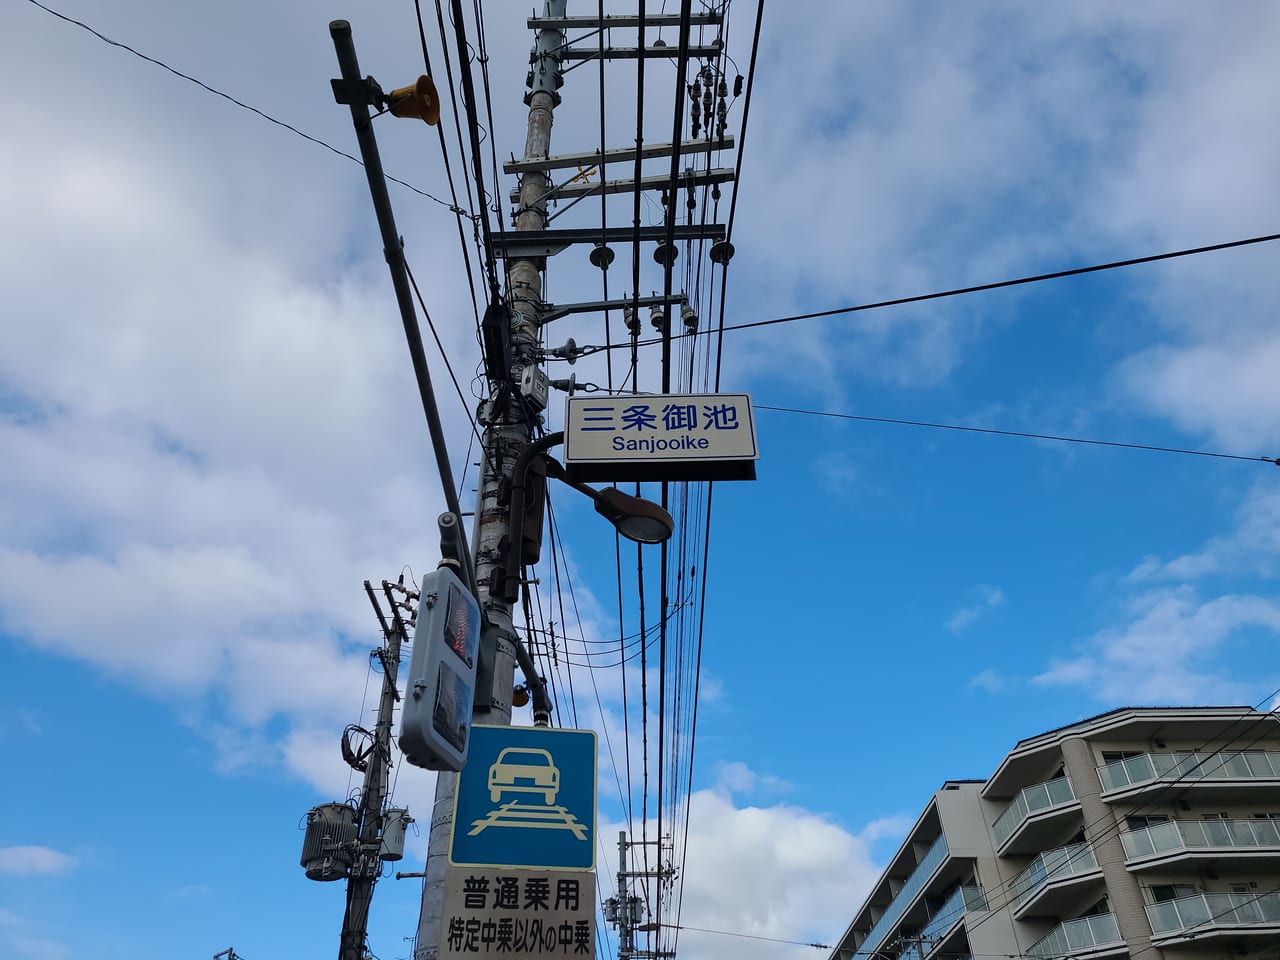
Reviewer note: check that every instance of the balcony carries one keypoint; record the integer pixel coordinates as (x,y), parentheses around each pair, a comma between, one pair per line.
(1215,914)
(1243,842)
(1053,879)
(1096,936)
(925,869)
(1027,823)
(1222,771)
(964,900)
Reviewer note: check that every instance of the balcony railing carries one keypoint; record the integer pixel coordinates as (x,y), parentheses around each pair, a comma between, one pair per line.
(1051,865)
(1039,796)
(1213,910)
(893,913)
(1077,936)
(1200,834)
(964,900)
(1190,766)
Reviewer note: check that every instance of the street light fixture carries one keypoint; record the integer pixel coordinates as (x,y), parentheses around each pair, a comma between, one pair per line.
(642,521)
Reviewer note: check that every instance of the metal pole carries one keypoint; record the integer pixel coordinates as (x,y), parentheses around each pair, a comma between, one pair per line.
(368,864)
(506,436)
(393,248)
(625,943)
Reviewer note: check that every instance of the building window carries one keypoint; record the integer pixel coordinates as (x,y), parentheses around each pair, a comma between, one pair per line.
(1163,892)
(1138,822)
(1115,756)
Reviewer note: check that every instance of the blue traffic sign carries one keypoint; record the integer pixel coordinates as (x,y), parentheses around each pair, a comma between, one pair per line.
(526,798)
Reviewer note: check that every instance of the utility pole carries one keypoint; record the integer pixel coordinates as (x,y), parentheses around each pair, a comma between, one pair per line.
(367,864)
(626,910)
(506,417)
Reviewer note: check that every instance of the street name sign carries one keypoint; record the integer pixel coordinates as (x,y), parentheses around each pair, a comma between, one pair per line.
(526,798)
(690,436)
(492,911)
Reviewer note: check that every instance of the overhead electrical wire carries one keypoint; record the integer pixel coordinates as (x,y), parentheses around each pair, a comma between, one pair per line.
(448,166)
(1004,893)
(1019,433)
(477,162)
(977,288)
(240,103)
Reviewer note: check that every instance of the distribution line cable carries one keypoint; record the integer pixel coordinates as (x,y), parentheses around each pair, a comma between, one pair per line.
(669,222)
(1006,889)
(466,409)
(733,200)
(448,170)
(457,122)
(750,936)
(239,103)
(1001,284)
(960,291)
(613,762)
(483,57)
(617,537)
(1017,433)
(1152,803)
(477,161)
(638,193)
(719,355)
(1155,800)
(559,599)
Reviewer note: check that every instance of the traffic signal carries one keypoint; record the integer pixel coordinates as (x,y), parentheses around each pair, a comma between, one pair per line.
(435,725)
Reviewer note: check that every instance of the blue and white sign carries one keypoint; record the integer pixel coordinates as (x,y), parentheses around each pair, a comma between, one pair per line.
(660,437)
(526,798)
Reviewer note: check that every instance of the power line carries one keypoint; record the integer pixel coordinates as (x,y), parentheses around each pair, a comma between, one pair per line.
(1001,284)
(239,103)
(960,291)
(747,936)
(1017,433)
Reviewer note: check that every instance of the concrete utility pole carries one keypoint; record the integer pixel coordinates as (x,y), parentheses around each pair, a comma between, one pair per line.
(626,910)
(507,430)
(367,865)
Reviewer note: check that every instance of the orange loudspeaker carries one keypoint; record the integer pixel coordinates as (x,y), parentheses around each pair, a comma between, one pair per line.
(419,100)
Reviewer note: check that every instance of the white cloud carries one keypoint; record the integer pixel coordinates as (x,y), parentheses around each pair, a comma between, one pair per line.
(736,778)
(989,680)
(1165,651)
(16,935)
(989,598)
(779,871)
(1251,547)
(25,861)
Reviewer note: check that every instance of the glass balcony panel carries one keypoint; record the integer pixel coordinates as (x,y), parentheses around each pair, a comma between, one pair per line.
(1213,910)
(1237,765)
(1137,843)
(1212,833)
(1059,862)
(1199,835)
(1261,764)
(963,900)
(1190,766)
(1266,832)
(1163,917)
(893,913)
(1074,936)
(1029,800)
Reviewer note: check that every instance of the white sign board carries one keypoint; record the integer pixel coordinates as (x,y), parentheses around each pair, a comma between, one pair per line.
(701,436)
(499,911)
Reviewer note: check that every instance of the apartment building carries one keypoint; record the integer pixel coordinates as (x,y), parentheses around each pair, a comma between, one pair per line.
(1144,832)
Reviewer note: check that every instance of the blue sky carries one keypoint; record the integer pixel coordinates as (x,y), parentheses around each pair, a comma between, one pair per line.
(209,437)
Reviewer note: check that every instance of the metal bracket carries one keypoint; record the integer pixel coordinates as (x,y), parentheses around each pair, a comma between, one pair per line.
(366,92)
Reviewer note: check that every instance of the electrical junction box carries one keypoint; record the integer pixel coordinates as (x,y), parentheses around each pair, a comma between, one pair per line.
(535,386)
(435,723)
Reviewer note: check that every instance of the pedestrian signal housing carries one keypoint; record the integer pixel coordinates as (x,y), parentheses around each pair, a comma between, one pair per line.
(435,726)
